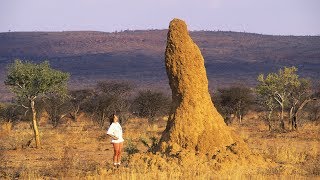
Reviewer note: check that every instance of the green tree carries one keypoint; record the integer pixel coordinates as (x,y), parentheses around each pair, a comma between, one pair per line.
(29,81)
(267,101)
(278,86)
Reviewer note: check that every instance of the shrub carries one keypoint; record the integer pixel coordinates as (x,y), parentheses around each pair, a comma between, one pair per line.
(151,104)
(110,97)
(13,112)
(151,146)
(233,101)
(57,108)
(131,148)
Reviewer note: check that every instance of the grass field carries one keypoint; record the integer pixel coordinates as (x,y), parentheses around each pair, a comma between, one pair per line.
(81,150)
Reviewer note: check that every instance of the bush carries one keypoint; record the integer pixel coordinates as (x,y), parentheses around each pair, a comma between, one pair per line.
(12,112)
(78,101)
(151,104)
(151,146)
(233,101)
(131,148)
(110,97)
(57,108)
(313,111)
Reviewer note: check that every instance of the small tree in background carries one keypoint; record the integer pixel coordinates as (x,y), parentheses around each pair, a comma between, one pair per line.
(111,97)
(120,93)
(313,108)
(57,107)
(234,100)
(78,99)
(151,104)
(28,80)
(12,112)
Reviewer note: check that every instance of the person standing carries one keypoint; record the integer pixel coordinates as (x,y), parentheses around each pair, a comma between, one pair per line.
(115,132)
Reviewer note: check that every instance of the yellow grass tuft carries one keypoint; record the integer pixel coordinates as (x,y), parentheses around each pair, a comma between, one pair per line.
(6,127)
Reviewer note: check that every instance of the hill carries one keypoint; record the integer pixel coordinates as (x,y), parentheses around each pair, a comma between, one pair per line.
(231,57)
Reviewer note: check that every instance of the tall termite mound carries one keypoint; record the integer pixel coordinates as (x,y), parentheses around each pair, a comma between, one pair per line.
(194,123)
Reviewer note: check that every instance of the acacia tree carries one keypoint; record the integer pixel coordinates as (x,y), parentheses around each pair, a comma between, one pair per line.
(29,81)
(279,86)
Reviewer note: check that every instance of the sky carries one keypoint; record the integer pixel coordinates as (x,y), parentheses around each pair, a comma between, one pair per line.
(276,17)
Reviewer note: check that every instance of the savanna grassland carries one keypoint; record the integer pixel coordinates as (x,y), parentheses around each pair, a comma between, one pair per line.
(81,150)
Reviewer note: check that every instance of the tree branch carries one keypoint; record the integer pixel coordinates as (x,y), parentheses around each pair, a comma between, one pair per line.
(25,113)
(278,100)
(19,85)
(24,106)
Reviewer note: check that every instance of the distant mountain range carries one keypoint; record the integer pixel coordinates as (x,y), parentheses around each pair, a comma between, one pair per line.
(230,57)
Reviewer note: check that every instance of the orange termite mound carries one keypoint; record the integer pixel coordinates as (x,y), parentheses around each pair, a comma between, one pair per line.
(196,139)
(194,123)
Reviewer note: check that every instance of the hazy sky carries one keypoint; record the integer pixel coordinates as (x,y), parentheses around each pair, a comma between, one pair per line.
(284,17)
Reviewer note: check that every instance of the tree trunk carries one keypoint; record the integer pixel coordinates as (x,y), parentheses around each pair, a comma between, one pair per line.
(281,117)
(34,123)
(269,120)
(75,117)
(291,115)
(295,114)
(102,119)
(294,122)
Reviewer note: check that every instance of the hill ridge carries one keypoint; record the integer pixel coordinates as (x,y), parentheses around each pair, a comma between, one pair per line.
(138,55)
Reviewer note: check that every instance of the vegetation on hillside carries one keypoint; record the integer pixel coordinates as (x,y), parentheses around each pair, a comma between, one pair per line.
(138,55)
(219,45)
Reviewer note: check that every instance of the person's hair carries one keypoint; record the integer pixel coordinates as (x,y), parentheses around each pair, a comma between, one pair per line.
(111,118)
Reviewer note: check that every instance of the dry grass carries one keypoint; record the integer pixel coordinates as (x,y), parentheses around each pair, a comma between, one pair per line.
(6,127)
(295,152)
(81,150)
